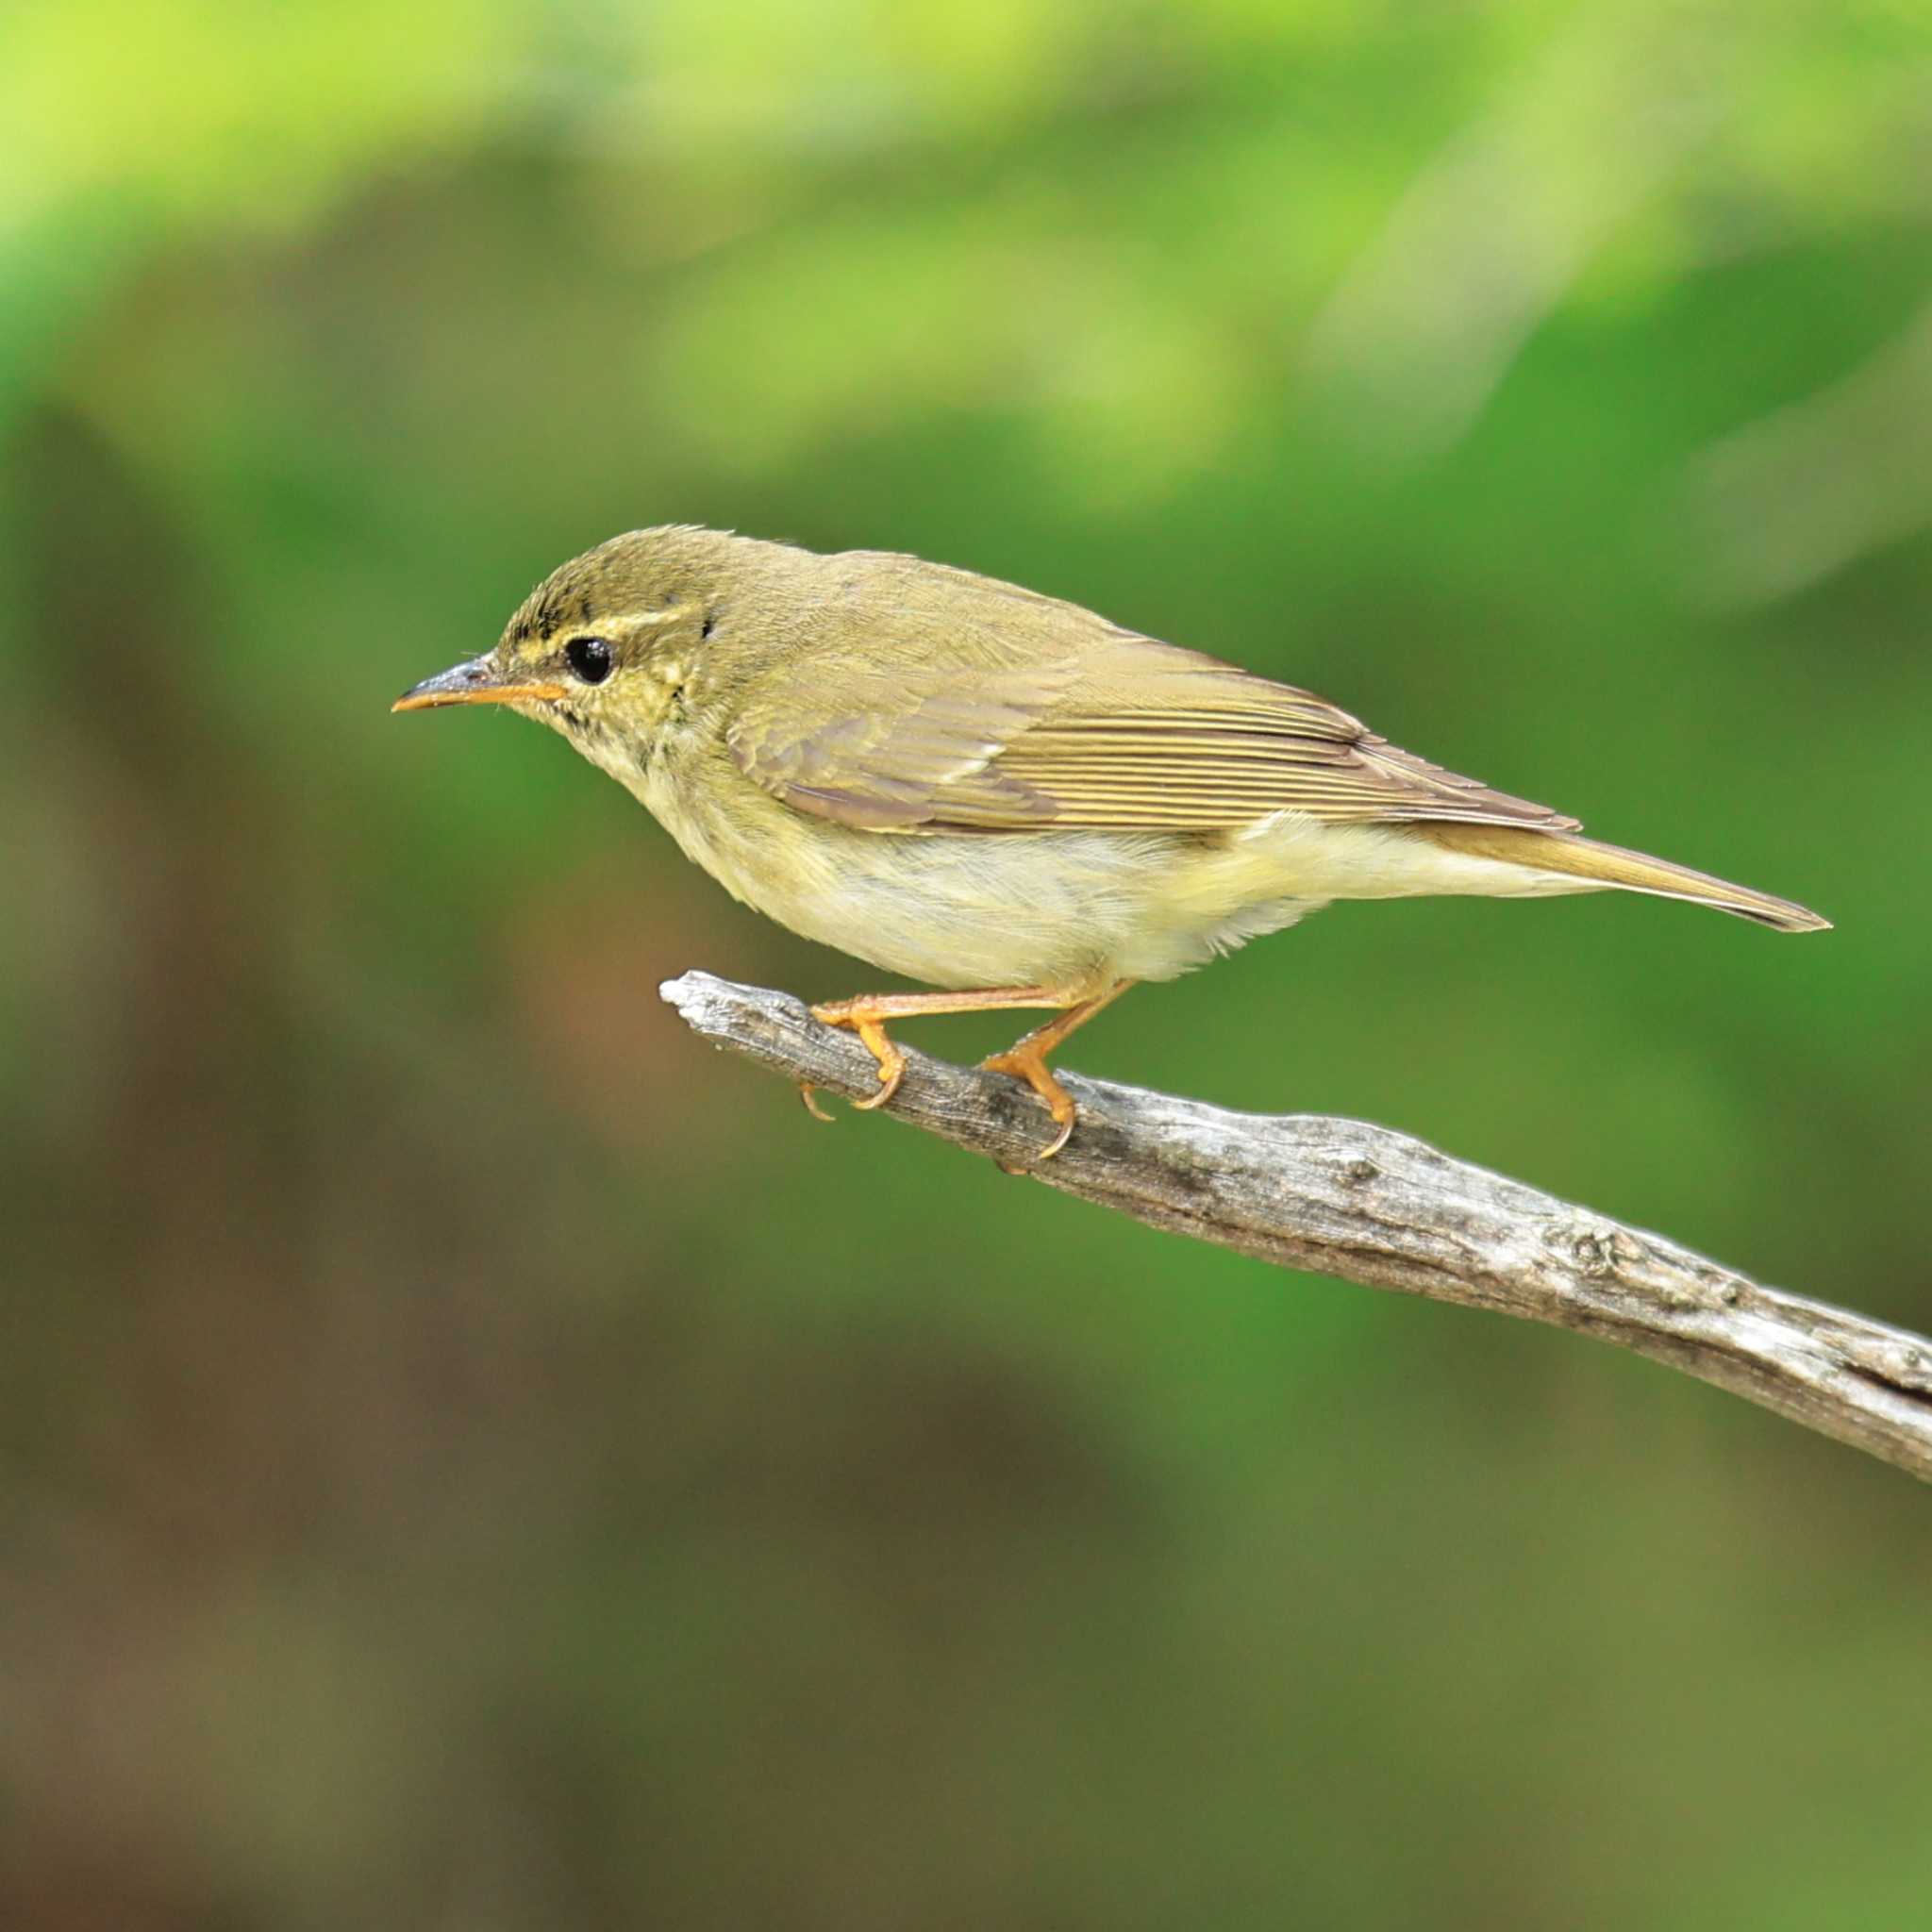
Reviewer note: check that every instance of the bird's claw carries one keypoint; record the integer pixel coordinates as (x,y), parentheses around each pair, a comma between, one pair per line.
(877,1042)
(1032,1068)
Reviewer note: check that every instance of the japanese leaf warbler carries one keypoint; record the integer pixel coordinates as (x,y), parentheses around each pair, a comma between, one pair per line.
(995,792)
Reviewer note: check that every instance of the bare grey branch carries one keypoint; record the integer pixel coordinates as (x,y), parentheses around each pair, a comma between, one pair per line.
(1360,1202)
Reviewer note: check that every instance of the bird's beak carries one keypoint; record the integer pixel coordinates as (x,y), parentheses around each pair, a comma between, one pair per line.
(476,682)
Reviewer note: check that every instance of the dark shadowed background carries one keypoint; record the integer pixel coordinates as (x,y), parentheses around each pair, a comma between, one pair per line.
(473,1458)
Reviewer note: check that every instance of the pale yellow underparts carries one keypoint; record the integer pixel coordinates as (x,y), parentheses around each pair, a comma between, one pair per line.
(1074,909)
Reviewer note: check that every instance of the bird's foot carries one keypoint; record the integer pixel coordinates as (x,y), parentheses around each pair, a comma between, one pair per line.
(863,1017)
(1026,1061)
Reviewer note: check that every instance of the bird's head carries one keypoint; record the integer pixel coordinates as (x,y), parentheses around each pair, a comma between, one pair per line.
(603,649)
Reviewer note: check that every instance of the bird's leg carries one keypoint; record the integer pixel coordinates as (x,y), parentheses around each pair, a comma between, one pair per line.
(866,1015)
(1025,1060)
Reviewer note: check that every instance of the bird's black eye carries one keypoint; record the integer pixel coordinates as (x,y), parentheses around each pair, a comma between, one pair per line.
(590,657)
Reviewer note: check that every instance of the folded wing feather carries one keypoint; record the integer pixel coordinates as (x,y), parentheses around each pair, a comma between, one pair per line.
(1104,729)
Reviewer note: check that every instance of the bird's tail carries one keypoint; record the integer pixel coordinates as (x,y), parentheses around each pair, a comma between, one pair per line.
(1571,855)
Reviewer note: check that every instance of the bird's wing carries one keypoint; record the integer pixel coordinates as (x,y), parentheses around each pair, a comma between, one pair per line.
(1122,733)
(897,752)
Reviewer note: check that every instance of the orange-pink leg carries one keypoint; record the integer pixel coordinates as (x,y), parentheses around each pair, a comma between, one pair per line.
(1025,1060)
(867,1013)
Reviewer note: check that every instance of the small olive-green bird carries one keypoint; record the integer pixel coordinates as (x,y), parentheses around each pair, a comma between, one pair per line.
(995,792)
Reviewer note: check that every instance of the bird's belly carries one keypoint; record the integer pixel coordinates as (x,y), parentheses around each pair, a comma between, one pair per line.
(1059,911)
(1073,910)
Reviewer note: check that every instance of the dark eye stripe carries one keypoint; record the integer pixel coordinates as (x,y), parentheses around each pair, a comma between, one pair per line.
(590,657)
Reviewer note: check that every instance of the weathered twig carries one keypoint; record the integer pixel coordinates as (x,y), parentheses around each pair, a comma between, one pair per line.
(1346,1198)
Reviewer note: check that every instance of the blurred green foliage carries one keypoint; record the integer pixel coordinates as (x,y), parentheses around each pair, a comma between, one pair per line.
(473,1458)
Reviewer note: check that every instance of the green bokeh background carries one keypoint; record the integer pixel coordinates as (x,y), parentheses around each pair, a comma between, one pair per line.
(473,1457)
